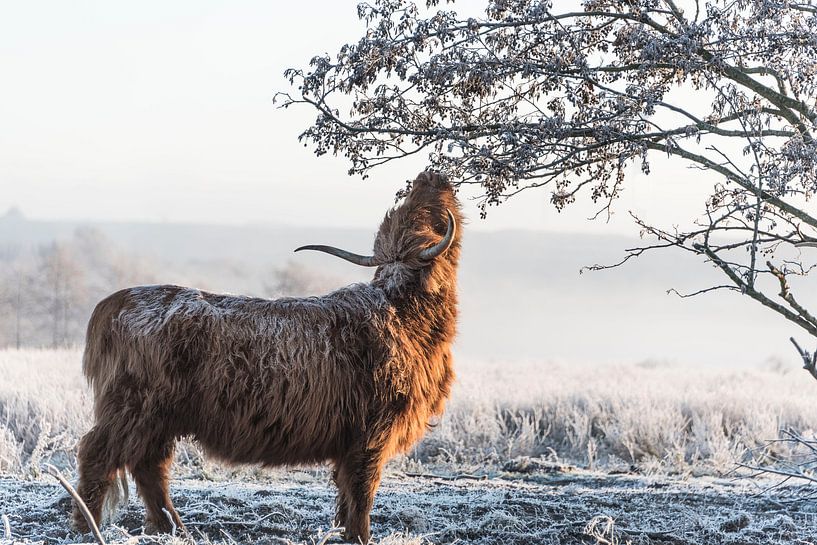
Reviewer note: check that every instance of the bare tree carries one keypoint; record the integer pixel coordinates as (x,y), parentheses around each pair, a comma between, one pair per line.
(61,293)
(15,286)
(47,293)
(529,96)
(17,298)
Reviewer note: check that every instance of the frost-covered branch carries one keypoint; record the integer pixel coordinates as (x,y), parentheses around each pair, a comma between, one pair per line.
(530,98)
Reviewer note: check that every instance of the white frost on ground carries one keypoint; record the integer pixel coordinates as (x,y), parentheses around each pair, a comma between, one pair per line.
(570,506)
(657,437)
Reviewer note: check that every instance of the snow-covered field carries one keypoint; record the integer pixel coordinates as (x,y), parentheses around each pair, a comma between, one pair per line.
(527,452)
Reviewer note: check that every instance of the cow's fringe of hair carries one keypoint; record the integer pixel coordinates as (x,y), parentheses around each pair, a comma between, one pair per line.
(116,497)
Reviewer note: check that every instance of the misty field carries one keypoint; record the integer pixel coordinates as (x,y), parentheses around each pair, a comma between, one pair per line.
(526,452)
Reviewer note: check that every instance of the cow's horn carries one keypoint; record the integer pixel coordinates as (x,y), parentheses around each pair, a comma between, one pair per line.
(430,253)
(362,260)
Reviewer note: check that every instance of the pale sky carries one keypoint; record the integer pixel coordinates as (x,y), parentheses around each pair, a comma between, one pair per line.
(162,111)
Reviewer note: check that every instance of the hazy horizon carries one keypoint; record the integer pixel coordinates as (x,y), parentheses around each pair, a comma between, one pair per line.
(522,297)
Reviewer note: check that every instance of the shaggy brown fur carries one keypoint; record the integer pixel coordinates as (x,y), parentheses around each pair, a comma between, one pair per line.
(352,377)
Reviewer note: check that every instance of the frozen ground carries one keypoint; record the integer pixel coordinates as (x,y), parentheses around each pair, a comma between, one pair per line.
(543,504)
(572,454)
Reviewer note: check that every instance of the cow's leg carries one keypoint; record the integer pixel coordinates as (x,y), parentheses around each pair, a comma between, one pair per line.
(97,471)
(358,479)
(151,475)
(342,502)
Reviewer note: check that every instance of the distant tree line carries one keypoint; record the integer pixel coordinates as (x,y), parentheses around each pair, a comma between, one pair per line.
(48,292)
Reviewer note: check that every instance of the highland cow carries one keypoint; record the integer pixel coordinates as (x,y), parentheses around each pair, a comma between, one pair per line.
(351,378)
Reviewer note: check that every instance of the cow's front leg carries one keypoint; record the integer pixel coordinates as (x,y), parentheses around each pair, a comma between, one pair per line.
(358,477)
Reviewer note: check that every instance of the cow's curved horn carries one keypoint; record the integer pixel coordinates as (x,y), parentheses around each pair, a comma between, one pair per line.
(362,260)
(438,249)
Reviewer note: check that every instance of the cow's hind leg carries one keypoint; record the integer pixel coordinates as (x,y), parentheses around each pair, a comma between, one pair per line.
(342,502)
(151,474)
(97,471)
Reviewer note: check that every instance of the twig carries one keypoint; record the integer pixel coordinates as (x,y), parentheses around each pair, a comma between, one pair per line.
(125,533)
(798,467)
(780,472)
(6,527)
(785,293)
(329,533)
(726,267)
(172,522)
(174,527)
(228,536)
(809,361)
(700,291)
(448,477)
(80,504)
